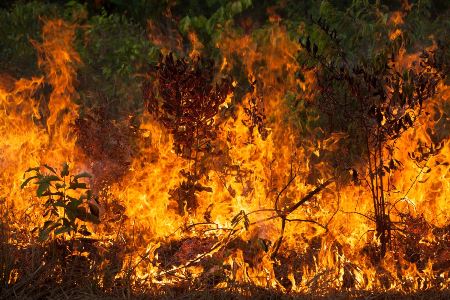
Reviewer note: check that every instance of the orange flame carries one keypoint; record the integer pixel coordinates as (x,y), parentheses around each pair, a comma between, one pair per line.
(35,132)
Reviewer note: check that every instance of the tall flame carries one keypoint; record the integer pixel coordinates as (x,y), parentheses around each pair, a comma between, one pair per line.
(325,241)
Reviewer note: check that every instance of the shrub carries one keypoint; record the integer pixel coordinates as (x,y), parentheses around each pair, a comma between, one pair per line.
(68,201)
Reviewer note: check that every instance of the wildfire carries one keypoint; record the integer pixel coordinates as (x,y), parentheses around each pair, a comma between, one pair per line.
(253,180)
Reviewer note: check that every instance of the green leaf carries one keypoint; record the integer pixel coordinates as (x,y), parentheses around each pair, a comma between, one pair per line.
(93,219)
(82,175)
(94,209)
(65,221)
(43,186)
(185,24)
(236,7)
(44,233)
(50,169)
(48,179)
(71,213)
(86,196)
(84,231)
(246,3)
(36,169)
(65,170)
(60,186)
(47,224)
(83,215)
(63,229)
(27,181)
(77,185)
(73,204)
(60,203)
(48,193)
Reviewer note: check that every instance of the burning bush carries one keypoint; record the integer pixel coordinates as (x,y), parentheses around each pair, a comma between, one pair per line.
(186,103)
(247,162)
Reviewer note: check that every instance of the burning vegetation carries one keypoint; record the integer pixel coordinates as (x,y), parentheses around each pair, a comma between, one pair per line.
(234,149)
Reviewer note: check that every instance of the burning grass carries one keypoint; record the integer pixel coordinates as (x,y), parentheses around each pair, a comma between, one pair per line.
(289,168)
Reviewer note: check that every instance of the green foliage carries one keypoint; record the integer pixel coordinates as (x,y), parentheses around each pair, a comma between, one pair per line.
(209,27)
(19,25)
(305,118)
(358,37)
(361,29)
(139,10)
(366,95)
(68,201)
(116,54)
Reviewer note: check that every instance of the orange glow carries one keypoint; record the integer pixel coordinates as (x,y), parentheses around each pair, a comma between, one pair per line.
(246,178)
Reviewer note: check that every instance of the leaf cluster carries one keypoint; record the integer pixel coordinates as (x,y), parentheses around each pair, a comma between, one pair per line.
(114,52)
(186,101)
(369,92)
(209,21)
(368,96)
(68,201)
(19,25)
(256,117)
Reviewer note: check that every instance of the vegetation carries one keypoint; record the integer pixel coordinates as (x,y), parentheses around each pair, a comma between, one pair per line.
(186,102)
(192,67)
(65,205)
(377,105)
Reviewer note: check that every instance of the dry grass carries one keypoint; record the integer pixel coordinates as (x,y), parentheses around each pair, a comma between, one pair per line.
(46,272)
(57,270)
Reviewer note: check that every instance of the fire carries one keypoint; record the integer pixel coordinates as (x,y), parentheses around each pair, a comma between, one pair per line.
(259,173)
(33,135)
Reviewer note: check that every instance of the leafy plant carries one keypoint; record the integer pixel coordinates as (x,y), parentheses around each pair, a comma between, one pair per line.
(377,101)
(185,100)
(209,19)
(114,52)
(256,117)
(68,201)
(21,24)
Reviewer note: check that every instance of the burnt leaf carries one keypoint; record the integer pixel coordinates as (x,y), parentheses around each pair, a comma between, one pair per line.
(77,185)
(185,97)
(255,114)
(186,101)
(50,169)
(84,231)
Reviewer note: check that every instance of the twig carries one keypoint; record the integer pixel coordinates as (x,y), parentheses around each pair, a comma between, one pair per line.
(308,196)
(283,215)
(277,244)
(282,191)
(358,213)
(23,282)
(308,221)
